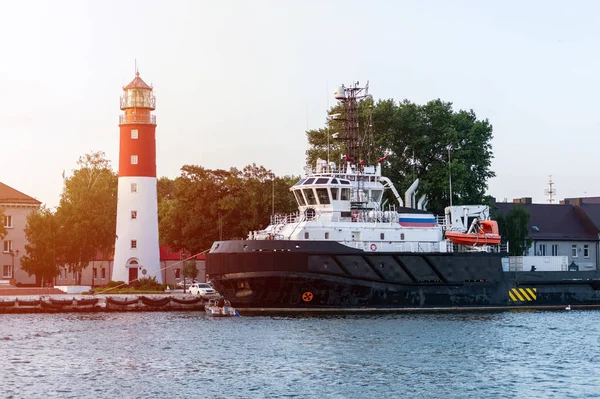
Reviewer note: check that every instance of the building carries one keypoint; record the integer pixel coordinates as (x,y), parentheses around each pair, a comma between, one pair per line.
(136,245)
(99,270)
(569,229)
(16,206)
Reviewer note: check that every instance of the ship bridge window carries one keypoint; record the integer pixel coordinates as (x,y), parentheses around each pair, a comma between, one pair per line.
(323,196)
(300,182)
(376,195)
(345,194)
(310,196)
(334,181)
(322,181)
(334,193)
(299,198)
(309,181)
(344,182)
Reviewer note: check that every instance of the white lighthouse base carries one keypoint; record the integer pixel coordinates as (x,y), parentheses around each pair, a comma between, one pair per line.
(137,253)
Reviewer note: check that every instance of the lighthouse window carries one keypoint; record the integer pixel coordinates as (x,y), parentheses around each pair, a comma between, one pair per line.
(345,194)
(134,134)
(134,159)
(310,196)
(323,196)
(134,214)
(334,193)
(299,198)
(134,187)
(133,244)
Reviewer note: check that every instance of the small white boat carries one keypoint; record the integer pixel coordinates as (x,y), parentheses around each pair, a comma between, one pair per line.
(212,308)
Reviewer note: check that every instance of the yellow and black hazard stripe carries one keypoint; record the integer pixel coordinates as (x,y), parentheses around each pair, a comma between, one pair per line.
(522,294)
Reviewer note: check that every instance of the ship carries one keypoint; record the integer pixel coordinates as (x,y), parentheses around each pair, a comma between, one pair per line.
(349,248)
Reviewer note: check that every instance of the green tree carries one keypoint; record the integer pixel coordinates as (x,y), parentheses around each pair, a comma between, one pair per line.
(45,245)
(3,231)
(208,205)
(189,269)
(514,229)
(428,142)
(87,212)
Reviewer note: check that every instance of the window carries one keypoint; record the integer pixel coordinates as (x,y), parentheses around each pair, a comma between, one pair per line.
(309,181)
(323,196)
(402,236)
(376,195)
(574,251)
(310,196)
(103,273)
(306,235)
(177,273)
(8,221)
(7,246)
(134,187)
(554,249)
(322,181)
(95,273)
(542,251)
(134,159)
(586,251)
(6,271)
(345,194)
(382,236)
(134,214)
(334,193)
(133,244)
(134,134)
(326,235)
(299,198)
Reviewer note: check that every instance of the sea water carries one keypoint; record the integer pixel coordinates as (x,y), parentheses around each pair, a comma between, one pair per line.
(536,354)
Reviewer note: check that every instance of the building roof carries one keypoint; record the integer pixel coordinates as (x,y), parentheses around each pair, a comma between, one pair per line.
(9,195)
(555,222)
(137,83)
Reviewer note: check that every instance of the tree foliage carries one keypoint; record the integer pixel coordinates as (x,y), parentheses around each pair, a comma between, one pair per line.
(514,229)
(190,269)
(204,205)
(429,142)
(87,212)
(3,231)
(45,246)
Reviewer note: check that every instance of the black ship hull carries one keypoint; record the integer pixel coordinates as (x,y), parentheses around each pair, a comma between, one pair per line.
(283,274)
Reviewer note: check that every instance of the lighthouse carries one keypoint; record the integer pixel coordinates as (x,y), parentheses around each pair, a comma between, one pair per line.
(136,246)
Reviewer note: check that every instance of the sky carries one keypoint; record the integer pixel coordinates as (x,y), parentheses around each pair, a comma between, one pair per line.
(239,82)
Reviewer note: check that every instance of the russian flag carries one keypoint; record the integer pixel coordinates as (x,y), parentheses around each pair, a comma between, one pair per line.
(415,221)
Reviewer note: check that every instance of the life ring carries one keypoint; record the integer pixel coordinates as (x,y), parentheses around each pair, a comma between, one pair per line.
(354,215)
(307,296)
(373,247)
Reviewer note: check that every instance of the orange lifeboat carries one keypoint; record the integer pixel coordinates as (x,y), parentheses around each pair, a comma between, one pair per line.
(487,234)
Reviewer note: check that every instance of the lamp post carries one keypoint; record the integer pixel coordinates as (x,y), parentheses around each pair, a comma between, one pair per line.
(13,255)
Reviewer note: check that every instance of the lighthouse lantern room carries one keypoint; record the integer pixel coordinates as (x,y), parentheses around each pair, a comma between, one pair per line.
(136,246)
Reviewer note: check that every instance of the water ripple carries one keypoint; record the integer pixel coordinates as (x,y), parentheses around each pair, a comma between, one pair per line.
(183,355)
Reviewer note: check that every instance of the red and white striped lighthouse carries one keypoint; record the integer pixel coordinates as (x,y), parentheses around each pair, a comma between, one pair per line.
(136,247)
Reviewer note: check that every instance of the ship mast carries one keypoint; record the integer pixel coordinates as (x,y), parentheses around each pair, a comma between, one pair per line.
(354,144)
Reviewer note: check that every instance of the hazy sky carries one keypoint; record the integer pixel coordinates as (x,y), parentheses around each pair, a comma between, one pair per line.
(240,81)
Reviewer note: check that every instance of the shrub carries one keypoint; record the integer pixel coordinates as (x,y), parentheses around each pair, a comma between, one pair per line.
(112,284)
